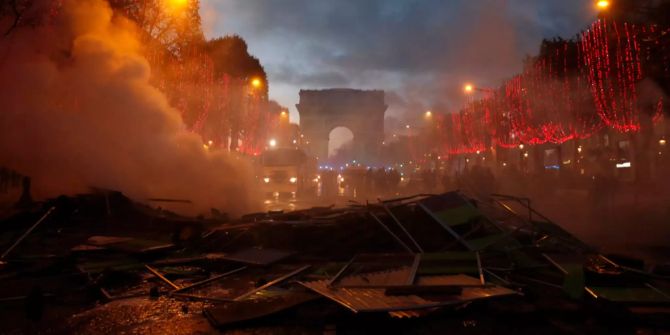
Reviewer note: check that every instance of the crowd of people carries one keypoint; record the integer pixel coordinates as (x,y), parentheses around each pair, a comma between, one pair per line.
(360,183)
(478,180)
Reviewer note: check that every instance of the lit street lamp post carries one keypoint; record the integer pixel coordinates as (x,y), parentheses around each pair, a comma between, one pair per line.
(469,89)
(603,4)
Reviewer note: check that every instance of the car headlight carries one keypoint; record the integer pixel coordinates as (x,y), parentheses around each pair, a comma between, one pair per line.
(266,180)
(293,180)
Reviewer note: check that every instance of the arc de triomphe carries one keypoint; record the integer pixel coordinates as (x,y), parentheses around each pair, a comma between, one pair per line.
(360,111)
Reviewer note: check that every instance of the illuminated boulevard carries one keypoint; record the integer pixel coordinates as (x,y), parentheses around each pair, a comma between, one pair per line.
(334,167)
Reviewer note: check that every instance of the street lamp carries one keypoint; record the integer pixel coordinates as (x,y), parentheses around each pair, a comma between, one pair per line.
(468,88)
(256,82)
(273,143)
(603,4)
(428,117)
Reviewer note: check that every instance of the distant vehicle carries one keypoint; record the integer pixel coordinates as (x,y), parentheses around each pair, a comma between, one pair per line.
(287,172)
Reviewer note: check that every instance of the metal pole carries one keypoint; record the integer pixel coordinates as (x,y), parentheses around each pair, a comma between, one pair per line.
(415,268)
(159,275)
(479,267)
(339,273)
(395,219)
(27,232)
(392,234)
(446,227)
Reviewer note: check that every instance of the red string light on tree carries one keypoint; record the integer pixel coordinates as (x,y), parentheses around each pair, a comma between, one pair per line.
(611,53)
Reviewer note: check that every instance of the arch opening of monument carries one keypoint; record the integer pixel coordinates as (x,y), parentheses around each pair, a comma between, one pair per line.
(340,142)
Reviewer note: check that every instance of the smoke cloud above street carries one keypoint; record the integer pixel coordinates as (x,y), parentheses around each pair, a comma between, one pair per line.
(79,112)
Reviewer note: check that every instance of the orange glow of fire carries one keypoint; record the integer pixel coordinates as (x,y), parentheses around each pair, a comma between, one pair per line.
(176,5)
(603,4)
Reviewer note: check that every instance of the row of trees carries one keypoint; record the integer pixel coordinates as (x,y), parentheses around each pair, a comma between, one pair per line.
(612,76)
(219,88)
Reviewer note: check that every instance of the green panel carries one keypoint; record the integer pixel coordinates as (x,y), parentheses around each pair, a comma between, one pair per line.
(524,261)
(458,215)
(483,242)
(573,284)
(448,263)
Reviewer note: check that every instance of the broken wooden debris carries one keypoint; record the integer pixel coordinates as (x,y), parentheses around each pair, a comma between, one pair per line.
(396,277)
(376,270)
(419,290)
(272,283)
(233,313)
(209,280)
(400,270)
(125,244)
(106,240)
(194,297)
(257,256)
(376,299)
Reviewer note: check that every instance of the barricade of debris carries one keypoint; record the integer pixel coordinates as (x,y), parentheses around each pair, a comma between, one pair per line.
(427,263)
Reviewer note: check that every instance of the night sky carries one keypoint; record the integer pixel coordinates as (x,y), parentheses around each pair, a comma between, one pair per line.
(419,51)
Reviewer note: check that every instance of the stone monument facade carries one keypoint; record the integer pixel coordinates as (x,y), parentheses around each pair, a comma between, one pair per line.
(360,111)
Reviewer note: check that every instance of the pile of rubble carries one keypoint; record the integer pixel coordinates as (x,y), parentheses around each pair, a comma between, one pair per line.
(428,263)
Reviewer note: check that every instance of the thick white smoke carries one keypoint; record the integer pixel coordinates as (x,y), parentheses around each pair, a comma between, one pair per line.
(77,111)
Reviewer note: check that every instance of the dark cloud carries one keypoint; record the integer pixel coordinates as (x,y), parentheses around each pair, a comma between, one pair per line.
(289,75)
(422,49)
